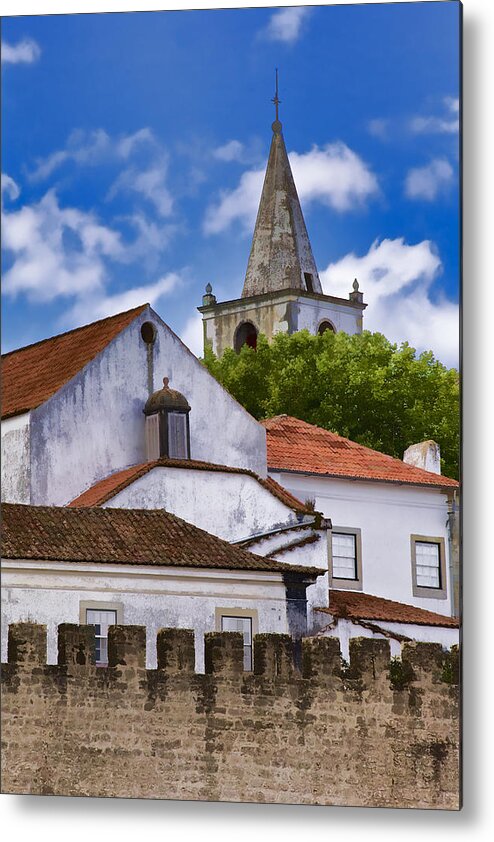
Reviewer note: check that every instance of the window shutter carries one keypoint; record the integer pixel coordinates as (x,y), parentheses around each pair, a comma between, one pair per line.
(153,437)
(177,435)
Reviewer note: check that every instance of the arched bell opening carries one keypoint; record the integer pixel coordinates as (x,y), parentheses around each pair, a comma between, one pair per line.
(324,326)
(246,334)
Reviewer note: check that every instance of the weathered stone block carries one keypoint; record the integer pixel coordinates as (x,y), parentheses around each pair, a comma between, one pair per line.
(76,645)
(27,643)
(175,649)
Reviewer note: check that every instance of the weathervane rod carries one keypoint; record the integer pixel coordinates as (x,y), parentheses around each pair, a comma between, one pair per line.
(276,99)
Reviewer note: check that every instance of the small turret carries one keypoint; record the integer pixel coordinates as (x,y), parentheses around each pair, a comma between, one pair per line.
(167,424)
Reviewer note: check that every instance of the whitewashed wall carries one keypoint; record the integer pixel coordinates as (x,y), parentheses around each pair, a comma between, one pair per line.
(51,593)
(308,555)
(229,505)
(343,317)
(345,630)
(233,507)
(16,462)
(388,515)
(94,425)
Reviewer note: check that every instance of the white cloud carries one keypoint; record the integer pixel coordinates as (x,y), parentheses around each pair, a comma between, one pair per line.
(286,24)
(149,183)
(444,124)
(91,149)
(56,251)
(397,279)
(378,128)
(9,187)
(24,52)
(192,335)
(231,151)
(93,307)
(332,175)
(428,181)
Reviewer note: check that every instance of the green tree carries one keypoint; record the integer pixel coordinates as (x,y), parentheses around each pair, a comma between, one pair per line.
(363,387)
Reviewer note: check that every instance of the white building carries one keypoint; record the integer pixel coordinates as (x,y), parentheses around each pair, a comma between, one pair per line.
(73,408)
(149,568)
(391,532)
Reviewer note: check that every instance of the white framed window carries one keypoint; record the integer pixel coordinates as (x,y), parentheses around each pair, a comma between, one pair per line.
(345,552)
(428,564)
(344,556)
(428,567)
(244,626)
(102,620)
(102,615)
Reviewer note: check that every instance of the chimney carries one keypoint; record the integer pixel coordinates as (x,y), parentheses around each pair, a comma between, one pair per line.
(425,455)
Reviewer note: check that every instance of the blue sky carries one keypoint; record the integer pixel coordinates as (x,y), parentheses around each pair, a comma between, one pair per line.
(134,145)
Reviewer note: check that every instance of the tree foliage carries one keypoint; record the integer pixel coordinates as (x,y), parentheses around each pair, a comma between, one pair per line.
(362,386)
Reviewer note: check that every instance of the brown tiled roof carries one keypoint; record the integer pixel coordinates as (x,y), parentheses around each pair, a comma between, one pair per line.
(298,447)
(355,605)
(105,489)
(33,374)
(123,536)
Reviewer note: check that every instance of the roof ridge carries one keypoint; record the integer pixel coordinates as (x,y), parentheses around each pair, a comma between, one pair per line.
(133,472)
(75,329)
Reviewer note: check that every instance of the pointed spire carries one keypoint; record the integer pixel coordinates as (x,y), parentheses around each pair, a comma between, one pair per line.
(281,255)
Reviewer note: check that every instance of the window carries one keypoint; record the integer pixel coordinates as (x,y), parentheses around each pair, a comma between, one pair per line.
(428,567)
(177,435)
(309,283)
(102,620)
(244,626)
(345,570)
(102,615)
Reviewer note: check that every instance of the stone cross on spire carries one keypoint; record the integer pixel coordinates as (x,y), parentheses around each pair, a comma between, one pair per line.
(281,255)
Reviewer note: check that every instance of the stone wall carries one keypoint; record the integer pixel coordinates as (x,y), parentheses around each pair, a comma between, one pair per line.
(302,728)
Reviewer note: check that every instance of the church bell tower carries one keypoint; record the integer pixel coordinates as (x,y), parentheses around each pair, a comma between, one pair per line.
(282,291)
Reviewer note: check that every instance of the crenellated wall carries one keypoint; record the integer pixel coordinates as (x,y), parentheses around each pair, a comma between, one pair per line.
(302,728)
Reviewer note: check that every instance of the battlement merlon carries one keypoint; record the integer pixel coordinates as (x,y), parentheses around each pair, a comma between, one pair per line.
(276,657)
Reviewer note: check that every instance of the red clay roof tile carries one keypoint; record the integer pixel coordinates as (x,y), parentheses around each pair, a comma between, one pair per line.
(33,374)
(298,447)
(355,605)
(124,536)
(105,489)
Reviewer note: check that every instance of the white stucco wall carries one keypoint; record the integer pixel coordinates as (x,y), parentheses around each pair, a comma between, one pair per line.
(94,425)
(387,515)
(229,505)
(51,593)
(345,630)
(308,555)
(233,507)
(16,470)
(314,311)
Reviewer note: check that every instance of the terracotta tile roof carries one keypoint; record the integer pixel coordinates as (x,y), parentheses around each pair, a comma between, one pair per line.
(355,605)
(298,447)
(33,374)
(123,536)
(105,489)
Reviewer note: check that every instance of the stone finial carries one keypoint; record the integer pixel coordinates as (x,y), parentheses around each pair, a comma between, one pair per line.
(209,298)
(425,455)
(356,295)
(166,381)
